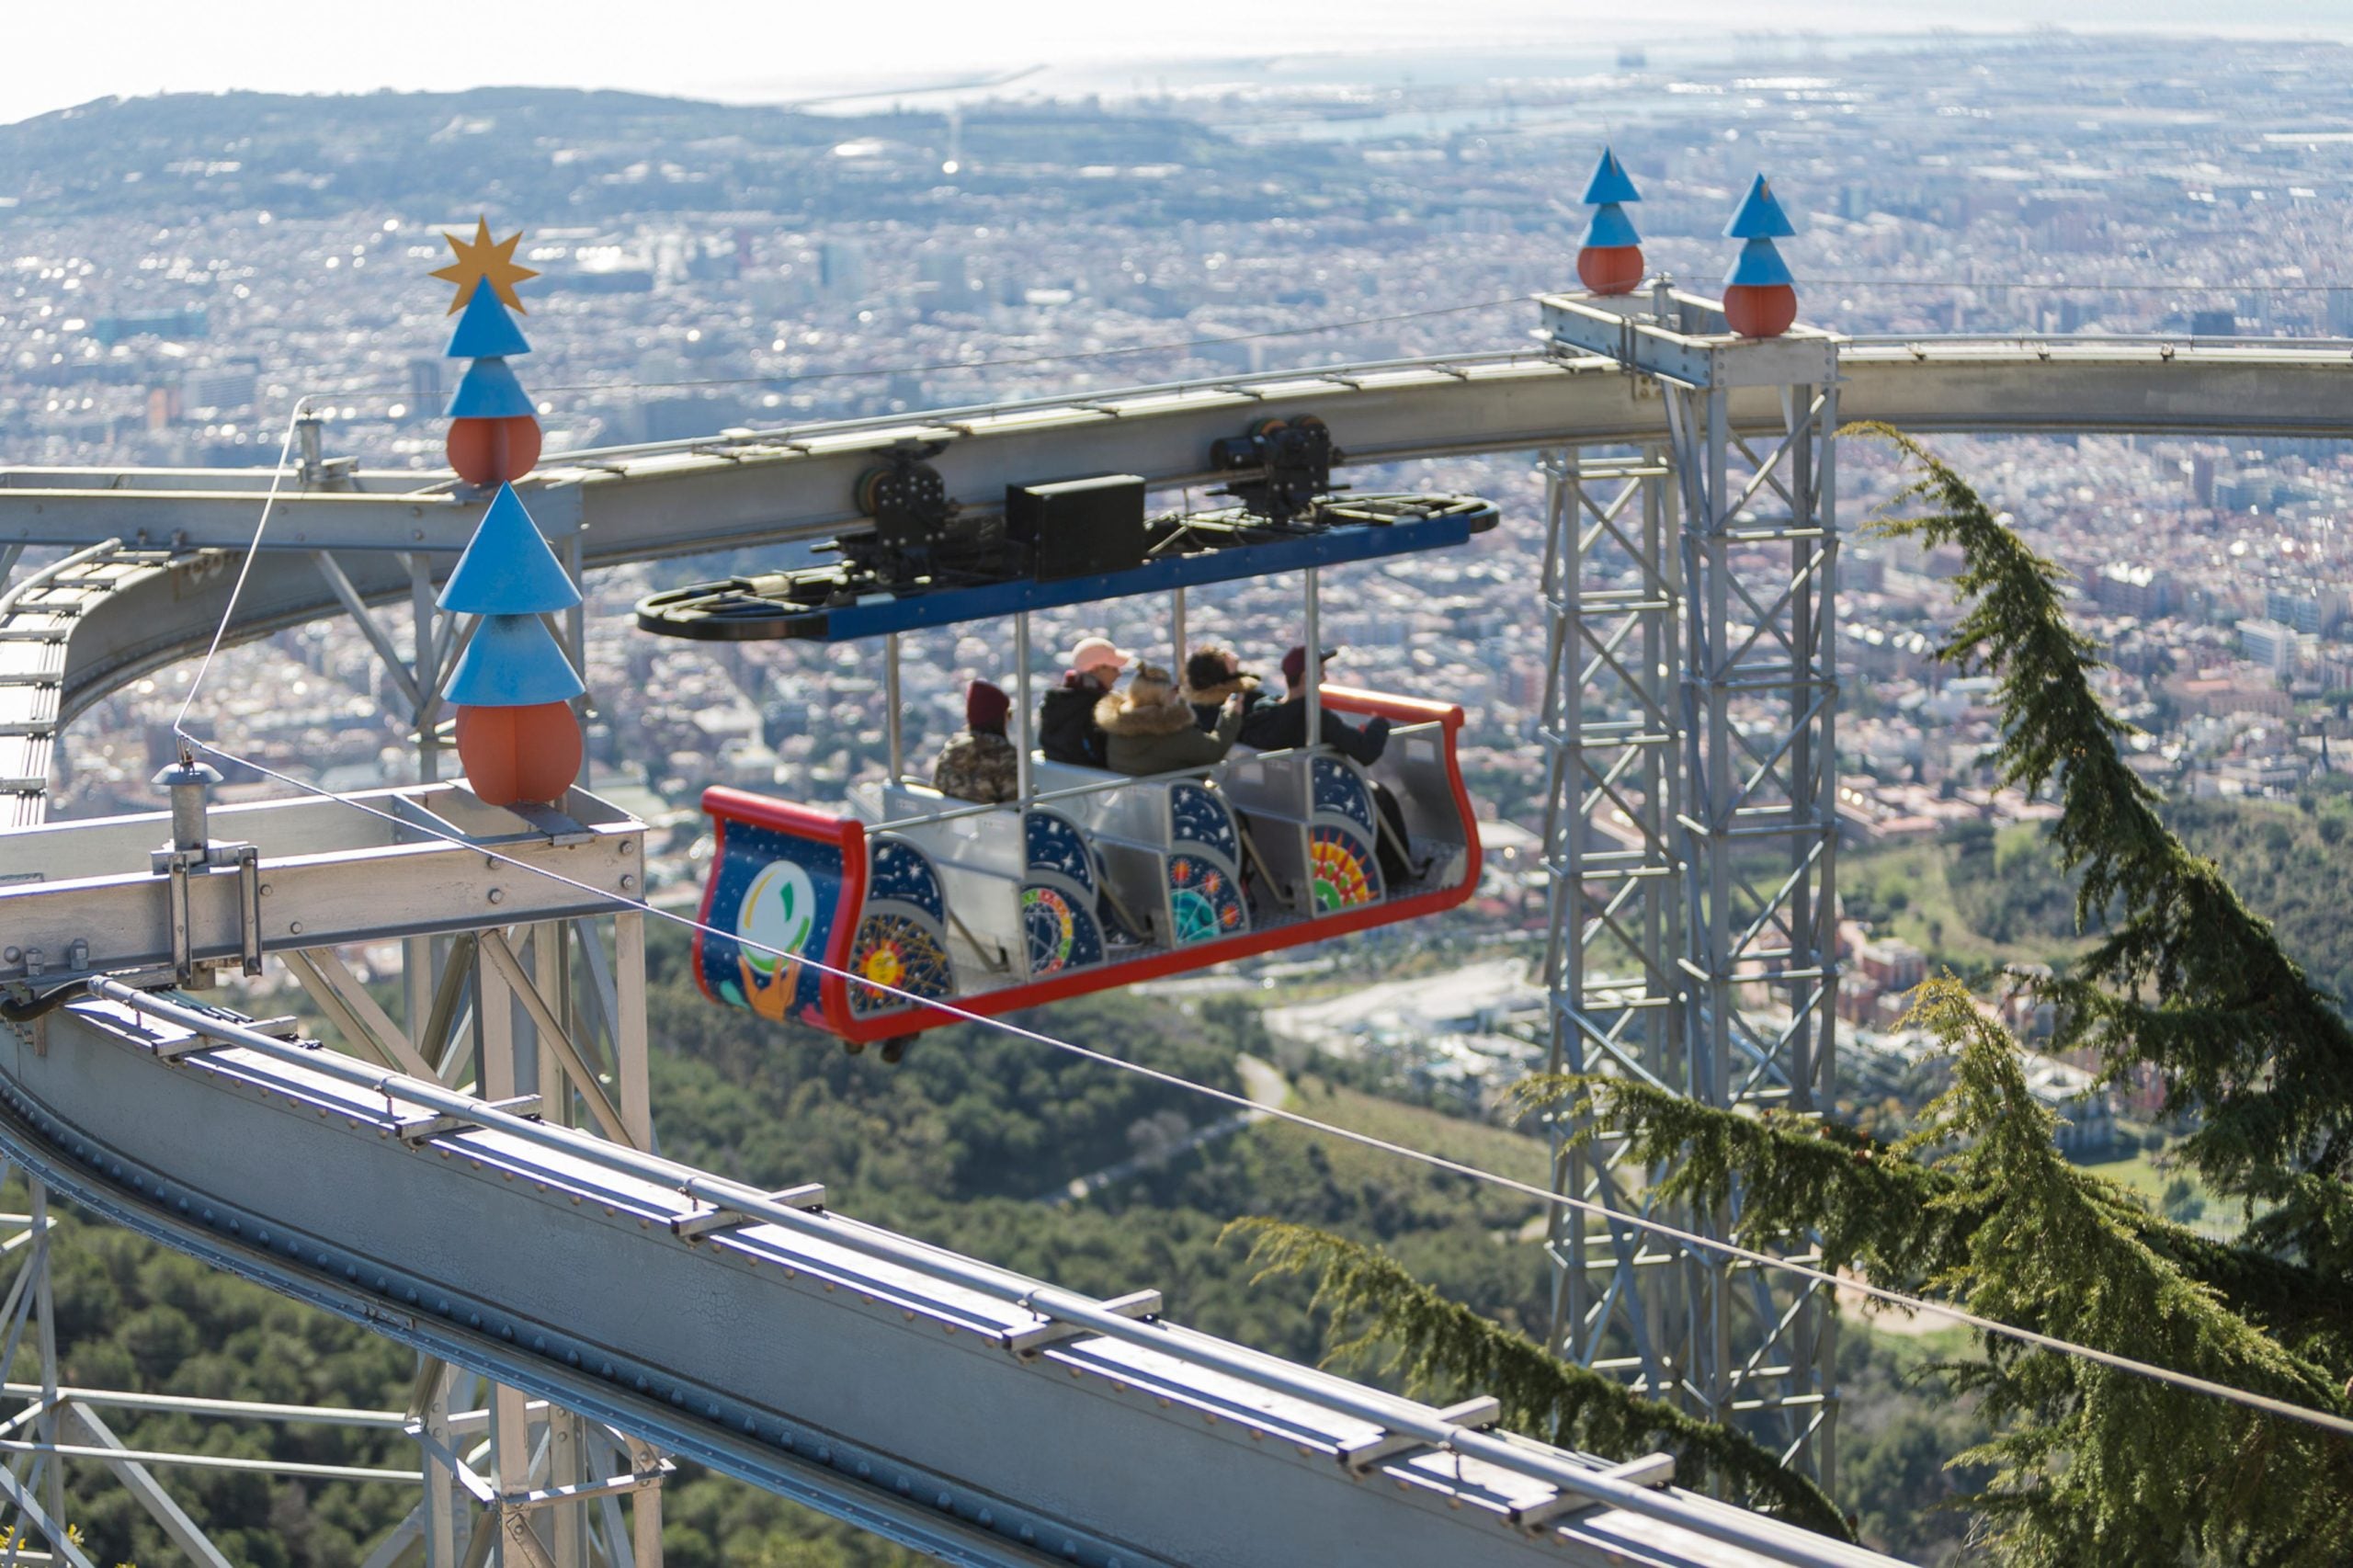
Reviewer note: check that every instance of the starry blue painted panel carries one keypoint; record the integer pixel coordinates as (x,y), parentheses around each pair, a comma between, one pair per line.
(1054,844)
(1197,815)
(900,872)
(1338,790)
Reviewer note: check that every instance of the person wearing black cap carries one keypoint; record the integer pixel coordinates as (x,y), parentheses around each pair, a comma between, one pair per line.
(1281,726)
(979,763)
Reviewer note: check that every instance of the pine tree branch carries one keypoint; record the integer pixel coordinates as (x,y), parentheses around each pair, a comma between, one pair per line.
(1437,1343)
(2188,978)
(1885,1210)
(1865,1204)
(2096,1464)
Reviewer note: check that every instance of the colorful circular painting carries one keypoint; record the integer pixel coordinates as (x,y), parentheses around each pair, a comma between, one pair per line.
(1203,899)
(895,951)
(1053,931)
(1340,875)
(779,911)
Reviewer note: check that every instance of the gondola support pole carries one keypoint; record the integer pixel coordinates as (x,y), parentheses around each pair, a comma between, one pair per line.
(1021,782)
(1313,669)
(890,705)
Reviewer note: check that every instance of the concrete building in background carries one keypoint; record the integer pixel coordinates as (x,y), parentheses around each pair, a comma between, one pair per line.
(2269,644)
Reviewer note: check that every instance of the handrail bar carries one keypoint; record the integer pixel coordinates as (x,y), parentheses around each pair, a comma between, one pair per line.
(33,581)
(1734,1527)
(1208,773)
(2093,340)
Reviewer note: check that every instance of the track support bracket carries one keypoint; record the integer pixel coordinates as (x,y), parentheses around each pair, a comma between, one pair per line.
(1031,1343)
(810,1196)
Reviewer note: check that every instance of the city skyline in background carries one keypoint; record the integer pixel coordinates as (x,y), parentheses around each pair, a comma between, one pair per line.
(1029,48)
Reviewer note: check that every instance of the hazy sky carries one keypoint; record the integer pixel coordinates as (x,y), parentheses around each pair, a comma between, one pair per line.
(62,55)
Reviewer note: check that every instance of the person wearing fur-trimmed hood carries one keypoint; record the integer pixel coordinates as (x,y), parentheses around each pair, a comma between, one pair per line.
(1149,728)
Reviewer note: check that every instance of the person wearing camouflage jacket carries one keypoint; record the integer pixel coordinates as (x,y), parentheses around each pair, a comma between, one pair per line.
(979,763)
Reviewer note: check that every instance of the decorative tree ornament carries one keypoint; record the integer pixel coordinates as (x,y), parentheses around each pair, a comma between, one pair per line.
(485,331)
(493,451)
(507,569)
(513,687)
(1760,296)
(1610,260)
(483,260)
(494,425)
(489,389)
(514,755)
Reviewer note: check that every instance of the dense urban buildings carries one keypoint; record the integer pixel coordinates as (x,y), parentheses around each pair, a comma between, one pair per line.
(183,270)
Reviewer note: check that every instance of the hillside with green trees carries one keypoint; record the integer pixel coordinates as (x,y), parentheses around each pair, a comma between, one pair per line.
(1976,896)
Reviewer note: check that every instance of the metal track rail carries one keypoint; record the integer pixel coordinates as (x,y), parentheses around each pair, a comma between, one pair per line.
(793,484)
(957,1407)
(39,617)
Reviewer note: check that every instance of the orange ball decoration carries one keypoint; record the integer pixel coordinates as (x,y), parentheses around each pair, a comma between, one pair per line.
(493,451)
(1610,269)
(513,755)
(1760,310)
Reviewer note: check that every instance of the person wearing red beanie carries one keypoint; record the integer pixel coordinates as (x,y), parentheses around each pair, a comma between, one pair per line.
(979,763)
(986,707)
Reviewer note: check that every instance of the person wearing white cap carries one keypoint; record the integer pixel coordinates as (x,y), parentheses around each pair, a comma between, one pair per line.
(1067,732)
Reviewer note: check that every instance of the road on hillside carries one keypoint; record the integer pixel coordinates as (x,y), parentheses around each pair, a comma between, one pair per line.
(1266,1089)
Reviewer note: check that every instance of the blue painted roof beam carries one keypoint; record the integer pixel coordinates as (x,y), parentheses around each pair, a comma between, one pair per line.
(881,615)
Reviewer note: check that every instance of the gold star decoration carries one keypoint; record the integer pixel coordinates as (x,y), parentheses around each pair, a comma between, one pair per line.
(484,260)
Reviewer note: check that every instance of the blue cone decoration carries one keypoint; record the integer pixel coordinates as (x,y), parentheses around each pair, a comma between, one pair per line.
(1759,264)
(489,391)
(485,331)
(508,568)
(1610,183)
(1759,217)
(1610,227)
(513,662)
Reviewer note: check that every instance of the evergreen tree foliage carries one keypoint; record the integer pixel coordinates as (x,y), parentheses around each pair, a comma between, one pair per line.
(2087,1463)
(1438,1345)
(2186,977)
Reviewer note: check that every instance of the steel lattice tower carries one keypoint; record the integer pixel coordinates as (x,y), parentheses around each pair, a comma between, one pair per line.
(1691,832)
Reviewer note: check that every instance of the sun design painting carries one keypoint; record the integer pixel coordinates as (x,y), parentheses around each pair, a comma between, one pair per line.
(895,951)
(1338,871)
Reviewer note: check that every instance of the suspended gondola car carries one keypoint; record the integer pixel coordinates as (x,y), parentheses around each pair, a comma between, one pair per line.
(1102,882)
(851,921)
